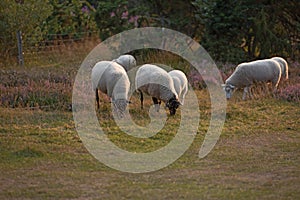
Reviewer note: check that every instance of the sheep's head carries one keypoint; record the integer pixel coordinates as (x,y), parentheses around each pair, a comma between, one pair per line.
(228,88)
(173,104)
(120,106)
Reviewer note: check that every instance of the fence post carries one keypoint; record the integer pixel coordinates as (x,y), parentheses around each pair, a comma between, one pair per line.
(20,48)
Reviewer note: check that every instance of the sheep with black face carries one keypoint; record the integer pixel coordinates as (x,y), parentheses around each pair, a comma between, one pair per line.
(180,84)
(157,83)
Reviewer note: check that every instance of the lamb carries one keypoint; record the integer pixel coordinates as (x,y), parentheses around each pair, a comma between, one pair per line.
(284,66)
(111,79)
(157,83)
(180,84)
(247,73)
(128,62)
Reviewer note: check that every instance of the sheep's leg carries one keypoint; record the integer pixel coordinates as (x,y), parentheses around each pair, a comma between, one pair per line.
(142,100)
(250,92)
(156,103)
(275,86)
(246,90)
(265,90)
(97,99)
(275,91)
(181,100)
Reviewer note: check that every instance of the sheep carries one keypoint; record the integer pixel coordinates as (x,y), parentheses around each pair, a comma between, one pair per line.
(128,62)
(180,84)
(157,83)
(284,66)
(247,73)
(111,79)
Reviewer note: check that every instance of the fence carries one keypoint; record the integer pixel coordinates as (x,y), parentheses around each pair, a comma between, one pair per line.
(50,49)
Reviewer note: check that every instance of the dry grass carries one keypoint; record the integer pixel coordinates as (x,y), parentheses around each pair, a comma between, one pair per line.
(256,157)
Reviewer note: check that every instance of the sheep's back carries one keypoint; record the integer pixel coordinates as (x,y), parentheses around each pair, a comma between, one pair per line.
(155,81)
(97,75)
(260,70)
(107,75)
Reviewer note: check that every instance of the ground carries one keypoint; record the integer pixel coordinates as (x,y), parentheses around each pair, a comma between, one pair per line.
(256,157)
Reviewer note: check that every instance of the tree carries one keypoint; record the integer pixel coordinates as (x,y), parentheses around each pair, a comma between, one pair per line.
(174,14)
(247,29)
(274,27)
(113,17)
(25,16)
(71,18)
(223,22)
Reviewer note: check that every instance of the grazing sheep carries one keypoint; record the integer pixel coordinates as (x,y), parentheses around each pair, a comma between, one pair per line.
(284,66)
(111,79)
(157,83)
(180,84)
(126,61)
(248,73)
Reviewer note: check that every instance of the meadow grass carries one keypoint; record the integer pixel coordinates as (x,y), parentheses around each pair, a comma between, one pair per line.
(256,157)
(43,157)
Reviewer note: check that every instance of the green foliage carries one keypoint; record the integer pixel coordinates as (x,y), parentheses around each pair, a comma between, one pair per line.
(25,17)
(113,17)
(223,22)
(247,29)
(71,18)
(271,26)
(231,31)
(174,14)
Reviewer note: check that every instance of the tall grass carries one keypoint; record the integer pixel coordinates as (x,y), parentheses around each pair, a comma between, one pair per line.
(46,80)
(256,157)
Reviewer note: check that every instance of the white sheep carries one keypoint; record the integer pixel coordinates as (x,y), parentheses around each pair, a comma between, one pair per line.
(284,66)
(126,61)
(157,83)
(111,79)
(248,73)
(180,84)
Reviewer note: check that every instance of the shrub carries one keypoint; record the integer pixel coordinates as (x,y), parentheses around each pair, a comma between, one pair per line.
(198,82)
(290,93)
(35,89)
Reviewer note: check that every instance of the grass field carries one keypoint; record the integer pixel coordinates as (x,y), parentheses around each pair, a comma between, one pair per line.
(256,157)
(42,156)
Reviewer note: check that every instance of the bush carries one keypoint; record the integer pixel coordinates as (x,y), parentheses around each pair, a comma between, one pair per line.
(290,93)
(36,89)
(198,82)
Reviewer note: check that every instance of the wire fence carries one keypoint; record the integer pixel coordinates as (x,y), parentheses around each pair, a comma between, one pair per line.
(50,49)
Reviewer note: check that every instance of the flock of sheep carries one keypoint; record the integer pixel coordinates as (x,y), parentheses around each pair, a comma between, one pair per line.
(111,78)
